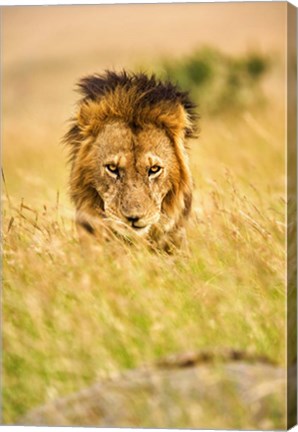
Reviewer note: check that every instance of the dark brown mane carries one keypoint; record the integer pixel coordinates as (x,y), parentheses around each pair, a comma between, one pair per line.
(149,92)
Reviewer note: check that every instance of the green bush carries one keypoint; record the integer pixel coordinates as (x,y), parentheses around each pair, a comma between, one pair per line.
(219,82)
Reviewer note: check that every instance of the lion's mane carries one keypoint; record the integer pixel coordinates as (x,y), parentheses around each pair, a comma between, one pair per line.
(137,100)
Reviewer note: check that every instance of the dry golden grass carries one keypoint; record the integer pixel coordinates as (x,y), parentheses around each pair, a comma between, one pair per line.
(70,318)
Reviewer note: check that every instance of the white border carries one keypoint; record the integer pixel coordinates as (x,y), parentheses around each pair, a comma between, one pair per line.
(96,2)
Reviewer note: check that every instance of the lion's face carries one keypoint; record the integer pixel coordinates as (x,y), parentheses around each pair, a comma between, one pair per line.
(134,172)
(129,164)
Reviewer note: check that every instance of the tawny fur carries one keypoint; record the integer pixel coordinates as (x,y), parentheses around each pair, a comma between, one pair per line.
(134,125)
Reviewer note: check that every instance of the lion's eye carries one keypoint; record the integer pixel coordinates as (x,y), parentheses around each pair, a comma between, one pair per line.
(112,169)
(154,170)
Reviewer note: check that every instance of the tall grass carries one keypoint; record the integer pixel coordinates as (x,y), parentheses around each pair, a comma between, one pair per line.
(71,317)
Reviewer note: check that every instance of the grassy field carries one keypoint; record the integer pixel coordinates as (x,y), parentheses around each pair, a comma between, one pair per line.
(70,319)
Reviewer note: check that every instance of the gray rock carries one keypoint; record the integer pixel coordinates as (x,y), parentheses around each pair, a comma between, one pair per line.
(178,393)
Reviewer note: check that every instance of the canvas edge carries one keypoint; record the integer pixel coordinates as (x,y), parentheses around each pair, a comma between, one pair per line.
(291,94)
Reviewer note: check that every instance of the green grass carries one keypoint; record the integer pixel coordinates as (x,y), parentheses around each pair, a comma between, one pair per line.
(72,317)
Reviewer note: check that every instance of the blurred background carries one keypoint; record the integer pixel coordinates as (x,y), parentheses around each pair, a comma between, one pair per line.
(45,50)
(69,320)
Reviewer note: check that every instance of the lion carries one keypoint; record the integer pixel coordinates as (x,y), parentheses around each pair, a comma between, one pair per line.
(129,163)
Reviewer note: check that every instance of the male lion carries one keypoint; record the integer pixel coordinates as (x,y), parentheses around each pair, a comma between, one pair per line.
(129,167)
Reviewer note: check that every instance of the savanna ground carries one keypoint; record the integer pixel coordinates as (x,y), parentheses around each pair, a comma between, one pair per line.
(71,318)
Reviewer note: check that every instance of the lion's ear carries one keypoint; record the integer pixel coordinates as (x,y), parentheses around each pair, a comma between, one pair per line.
(88,118)
(181,123)
(85,114)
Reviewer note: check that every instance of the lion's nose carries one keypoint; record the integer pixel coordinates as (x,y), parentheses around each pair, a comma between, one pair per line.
(132,217)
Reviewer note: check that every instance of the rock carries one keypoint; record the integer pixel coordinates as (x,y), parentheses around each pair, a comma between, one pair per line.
(231,394)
